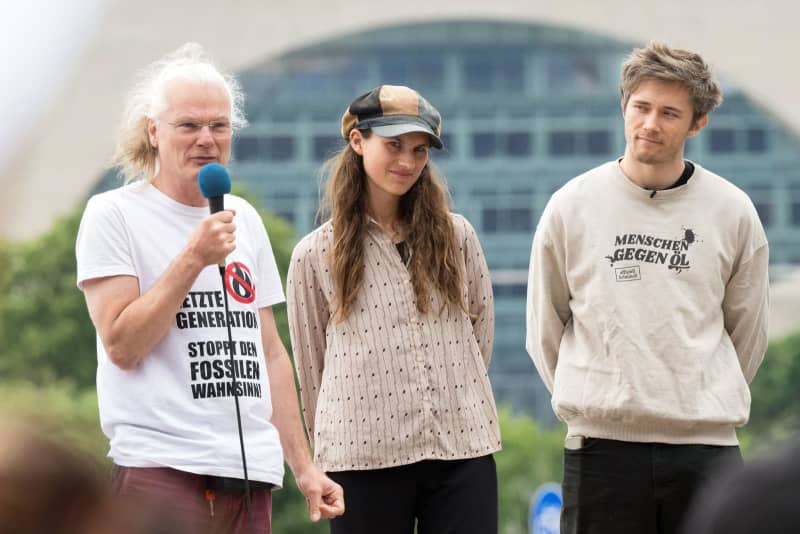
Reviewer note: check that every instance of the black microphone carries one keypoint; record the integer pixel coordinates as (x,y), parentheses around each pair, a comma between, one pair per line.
(215,183)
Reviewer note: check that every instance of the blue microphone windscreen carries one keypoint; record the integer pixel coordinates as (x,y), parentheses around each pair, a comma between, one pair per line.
(214,180)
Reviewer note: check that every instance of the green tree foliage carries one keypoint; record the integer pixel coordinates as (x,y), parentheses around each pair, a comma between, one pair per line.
(531,456)
(281,235)
(45,332)
(775,409)
(5,273)
(66,411)
(290,512)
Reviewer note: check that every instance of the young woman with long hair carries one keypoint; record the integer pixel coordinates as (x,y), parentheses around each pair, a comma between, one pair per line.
(391,316)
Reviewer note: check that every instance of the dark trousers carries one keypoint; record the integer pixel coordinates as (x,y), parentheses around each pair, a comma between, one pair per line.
(617,487)
(179,502)
(440,497)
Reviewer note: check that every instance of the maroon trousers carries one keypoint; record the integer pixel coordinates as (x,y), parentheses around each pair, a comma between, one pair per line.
(183,499)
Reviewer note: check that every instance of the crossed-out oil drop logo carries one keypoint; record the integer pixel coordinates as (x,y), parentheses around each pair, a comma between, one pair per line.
(239,282)
(645,248)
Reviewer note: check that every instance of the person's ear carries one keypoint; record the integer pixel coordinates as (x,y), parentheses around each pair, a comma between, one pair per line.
(698,125)
(152,132)
(357,141)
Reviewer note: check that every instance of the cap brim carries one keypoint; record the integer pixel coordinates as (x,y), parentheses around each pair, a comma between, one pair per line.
(393,130)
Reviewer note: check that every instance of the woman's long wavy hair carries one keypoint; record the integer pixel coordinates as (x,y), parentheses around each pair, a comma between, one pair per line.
(425,214)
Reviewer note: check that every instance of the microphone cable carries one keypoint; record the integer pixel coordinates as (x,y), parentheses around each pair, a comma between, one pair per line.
(234,384)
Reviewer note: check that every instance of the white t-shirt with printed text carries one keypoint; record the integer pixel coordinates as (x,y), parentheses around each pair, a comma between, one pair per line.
(176,409)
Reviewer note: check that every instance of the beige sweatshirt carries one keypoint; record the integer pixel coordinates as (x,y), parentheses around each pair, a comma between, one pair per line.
(647,314)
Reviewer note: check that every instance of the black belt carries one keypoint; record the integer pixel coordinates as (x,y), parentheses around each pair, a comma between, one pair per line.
(234,485)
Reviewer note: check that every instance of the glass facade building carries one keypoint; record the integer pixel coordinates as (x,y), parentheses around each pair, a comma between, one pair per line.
(525,108)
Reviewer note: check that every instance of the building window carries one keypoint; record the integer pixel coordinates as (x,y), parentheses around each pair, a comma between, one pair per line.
(794,193)
(425,73)
(247,148)
(518,144)
(562,143)
(448,148)
(502,70)
(478,74)
(429,73)
(510,290)
(394,70)
(326,146)
(689,147)
(281,148)
(796,213)
(490,223)
(510,71)
(588,143)
(764,210)
(761,195)
(324,74)
(572,75)
(598,142)
(497,220)
(484,145)
(722,141)
(756,140)
(273,147)
(495,144)
(520,220)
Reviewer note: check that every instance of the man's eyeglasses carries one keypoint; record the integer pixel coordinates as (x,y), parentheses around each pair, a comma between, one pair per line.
(218,128)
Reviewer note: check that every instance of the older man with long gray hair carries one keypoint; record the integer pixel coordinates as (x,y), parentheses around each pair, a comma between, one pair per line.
(178,346)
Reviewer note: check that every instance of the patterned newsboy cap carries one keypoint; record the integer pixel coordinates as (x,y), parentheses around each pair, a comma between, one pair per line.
(392,110)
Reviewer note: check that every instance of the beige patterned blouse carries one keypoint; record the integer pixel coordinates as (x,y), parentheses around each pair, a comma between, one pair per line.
(389,386)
